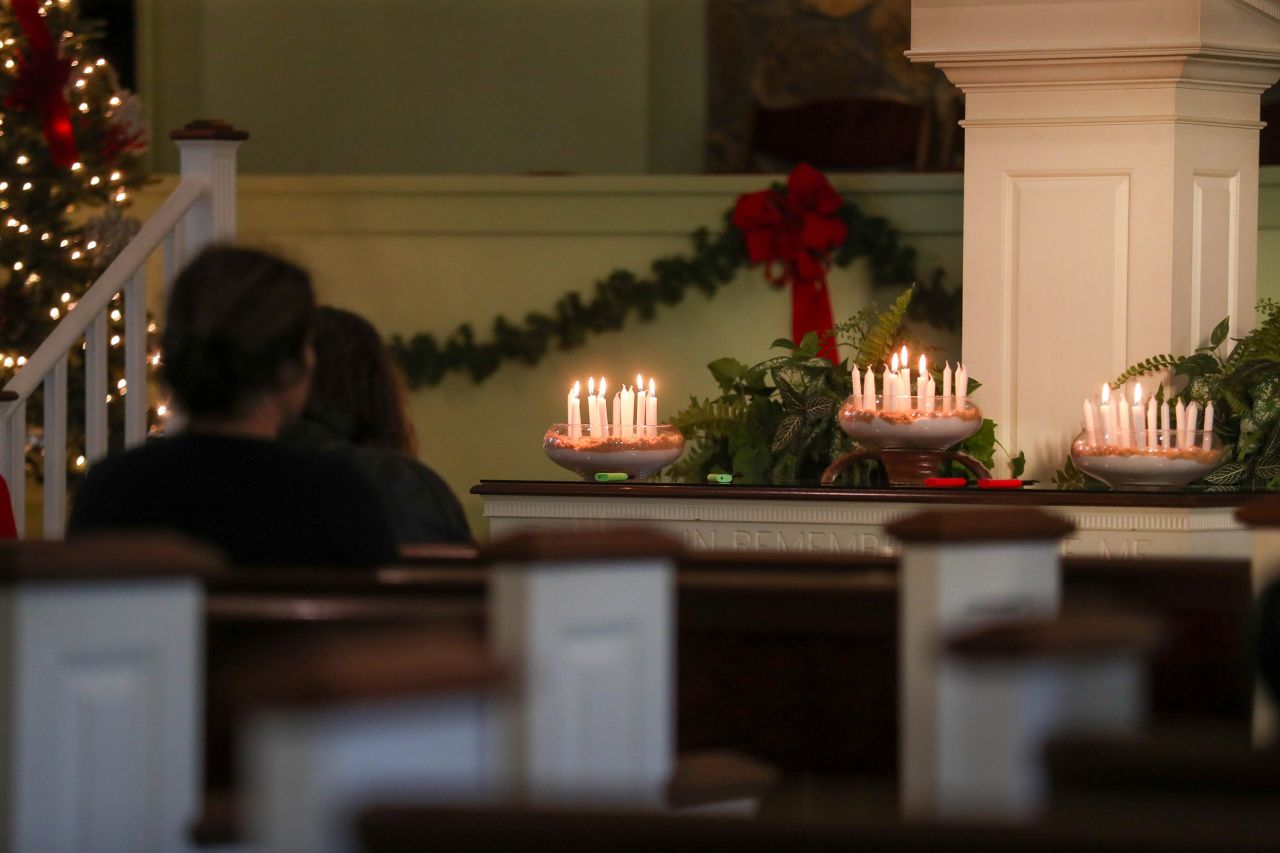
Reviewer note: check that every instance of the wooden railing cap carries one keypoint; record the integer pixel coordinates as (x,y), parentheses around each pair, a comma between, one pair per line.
(985,525)
(1264,512)
(385,665)
(1088,634)
(107,557)
(620,543)
(209,129)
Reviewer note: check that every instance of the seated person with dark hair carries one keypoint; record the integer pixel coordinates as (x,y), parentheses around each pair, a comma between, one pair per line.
(357,411)
(237,355)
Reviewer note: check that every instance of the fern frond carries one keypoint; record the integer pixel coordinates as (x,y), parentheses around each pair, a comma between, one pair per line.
(1165,361)
(709,419)
(884,332)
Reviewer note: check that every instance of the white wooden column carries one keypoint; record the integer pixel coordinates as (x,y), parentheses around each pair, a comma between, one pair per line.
(960,570)
(100,694)
(588,623)
(1111,189)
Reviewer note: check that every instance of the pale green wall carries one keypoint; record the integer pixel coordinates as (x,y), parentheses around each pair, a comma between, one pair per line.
(1269,233)
(433,86)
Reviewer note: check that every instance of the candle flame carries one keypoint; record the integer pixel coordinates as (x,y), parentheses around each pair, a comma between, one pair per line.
(601,386)
(591,385)
(906,359)
(577,388)
(639,381)
(653,389)
(1137,393)
(923,365)
(1106,393)
(893,365)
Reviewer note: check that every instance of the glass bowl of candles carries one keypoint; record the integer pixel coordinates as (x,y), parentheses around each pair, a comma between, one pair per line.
(639,452)
(1144,446)
(933,418)
(634,444)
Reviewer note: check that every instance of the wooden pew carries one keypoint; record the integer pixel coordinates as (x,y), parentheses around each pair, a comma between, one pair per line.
(99,676)
(790,658)
(405,828)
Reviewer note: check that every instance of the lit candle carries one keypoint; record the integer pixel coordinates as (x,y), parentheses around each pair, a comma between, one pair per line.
(1139,434)
(1180,423)
(1108,419)
(641,410)
(962,385)
(575,412)
(869,389)
(1207,441)
(946,387)
(1166,438)
(651,412)
(1193,415)
(593,411)
(922,383)
(856,381)
(904,387)
(603,401)
(1090,425)
(891,378)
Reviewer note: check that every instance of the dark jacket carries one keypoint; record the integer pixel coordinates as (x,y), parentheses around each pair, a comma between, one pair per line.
(260,502)
(419,504)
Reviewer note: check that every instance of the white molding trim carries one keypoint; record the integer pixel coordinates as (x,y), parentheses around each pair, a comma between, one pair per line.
(1069,121)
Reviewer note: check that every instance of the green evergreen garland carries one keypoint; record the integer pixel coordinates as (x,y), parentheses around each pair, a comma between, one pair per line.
(715,261)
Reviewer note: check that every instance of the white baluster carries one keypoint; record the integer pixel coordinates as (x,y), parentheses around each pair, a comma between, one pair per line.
(174,256)
(13,430)
(208,151)
(135,359)
(55,450)
(95,389)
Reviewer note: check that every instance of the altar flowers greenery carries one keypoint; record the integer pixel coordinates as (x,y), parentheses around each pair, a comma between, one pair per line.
(1241,377)
(775,422)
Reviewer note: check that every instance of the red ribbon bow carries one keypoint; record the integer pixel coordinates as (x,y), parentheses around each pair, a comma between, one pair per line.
(799,228)
(42,78)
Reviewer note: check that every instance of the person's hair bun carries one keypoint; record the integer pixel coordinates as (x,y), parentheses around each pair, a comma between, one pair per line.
(235,318)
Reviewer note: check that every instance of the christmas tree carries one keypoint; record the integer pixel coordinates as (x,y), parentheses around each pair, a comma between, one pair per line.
(70,147)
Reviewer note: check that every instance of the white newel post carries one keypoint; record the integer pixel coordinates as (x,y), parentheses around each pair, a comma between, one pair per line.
(208,152)
(960,569)
(1011,687)
(100,679)
(1110,192)
(588,624)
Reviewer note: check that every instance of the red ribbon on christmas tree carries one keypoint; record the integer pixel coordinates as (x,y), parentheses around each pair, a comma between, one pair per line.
(41,81)
(799,229)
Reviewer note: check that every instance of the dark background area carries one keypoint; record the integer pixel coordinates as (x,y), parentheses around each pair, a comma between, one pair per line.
(116,17)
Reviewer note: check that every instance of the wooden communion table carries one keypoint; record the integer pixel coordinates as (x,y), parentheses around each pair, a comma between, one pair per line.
(808,519)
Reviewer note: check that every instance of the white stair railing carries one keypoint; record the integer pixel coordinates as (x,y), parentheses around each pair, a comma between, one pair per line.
(201,210)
